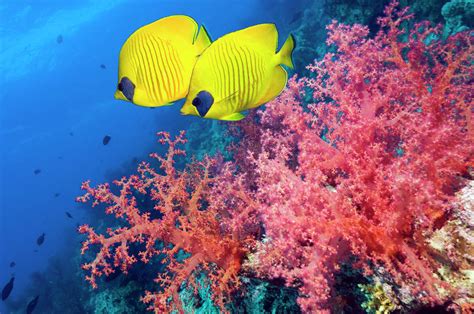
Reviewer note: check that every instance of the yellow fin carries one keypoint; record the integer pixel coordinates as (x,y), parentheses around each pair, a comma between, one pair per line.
(261,34)
(172,27)
(233,117)
(286,51)
(203,40)
(275,87)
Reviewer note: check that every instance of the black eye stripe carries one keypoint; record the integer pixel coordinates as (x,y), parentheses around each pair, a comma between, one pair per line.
(127,88)
(203,102)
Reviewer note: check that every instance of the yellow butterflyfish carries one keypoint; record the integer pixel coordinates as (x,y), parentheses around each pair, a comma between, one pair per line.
(239,71)
(157,60)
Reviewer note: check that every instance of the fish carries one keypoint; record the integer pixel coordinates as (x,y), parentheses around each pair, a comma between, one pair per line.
(40,239)
(102,66)
(12,264)
(37,171)
(71,133)
(106,140)
(68,214)
(59,39)
(57,194)
(156,61)
(31,305)
(239,71)
(7,289)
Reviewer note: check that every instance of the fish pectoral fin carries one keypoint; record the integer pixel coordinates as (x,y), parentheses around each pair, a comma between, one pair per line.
(233,117)
(276,86)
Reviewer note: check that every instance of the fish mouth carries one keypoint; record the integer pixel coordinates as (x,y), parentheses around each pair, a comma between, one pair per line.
(188,109)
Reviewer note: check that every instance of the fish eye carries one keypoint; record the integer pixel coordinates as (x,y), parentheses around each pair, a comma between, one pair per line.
(197,101)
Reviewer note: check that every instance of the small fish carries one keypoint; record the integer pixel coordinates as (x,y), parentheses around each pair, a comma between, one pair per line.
(7,289)
(40,239)
(68,214)
(156,61)
(57,194)
(31,306)
(59,39)
(37,171)
(102,66)
(106,140)
(239,71)
(60,157)
(297,16)
(12,264)
(71,133)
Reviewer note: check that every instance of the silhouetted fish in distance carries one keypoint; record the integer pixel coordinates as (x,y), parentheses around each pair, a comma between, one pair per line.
(57,194)
(71,133)
(12,264)
(40,239)
(106,140)
(7,289)
(102,66)
(37,171)
(31,306)
(69,215)
(59,39)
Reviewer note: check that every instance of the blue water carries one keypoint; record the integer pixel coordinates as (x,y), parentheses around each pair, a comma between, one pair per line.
(57,105)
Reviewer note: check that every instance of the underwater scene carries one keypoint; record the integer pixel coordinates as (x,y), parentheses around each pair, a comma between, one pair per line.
(250,156)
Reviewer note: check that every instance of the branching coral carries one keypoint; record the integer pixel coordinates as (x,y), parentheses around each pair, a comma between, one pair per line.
(359,165)
(182,223)
(369,168)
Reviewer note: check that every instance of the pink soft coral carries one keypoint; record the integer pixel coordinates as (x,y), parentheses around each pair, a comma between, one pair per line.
(371,166)
(183,224)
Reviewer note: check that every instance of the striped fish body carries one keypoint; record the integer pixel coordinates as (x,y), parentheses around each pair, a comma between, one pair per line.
(237,72)
(156,61)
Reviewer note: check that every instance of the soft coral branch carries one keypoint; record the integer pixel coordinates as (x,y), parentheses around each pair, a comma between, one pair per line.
(183,225)
(370,165)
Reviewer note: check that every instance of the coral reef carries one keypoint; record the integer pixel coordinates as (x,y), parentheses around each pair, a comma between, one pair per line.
(180,221)
(353,178)
(370,167)
(208,138)
(459,16)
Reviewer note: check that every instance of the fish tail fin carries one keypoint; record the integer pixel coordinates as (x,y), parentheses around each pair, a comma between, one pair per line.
(286,51)
(203,40)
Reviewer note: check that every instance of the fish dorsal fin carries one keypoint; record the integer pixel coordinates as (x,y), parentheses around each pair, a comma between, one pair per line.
(265,35)
(203,40)
(277,84)
(173,27)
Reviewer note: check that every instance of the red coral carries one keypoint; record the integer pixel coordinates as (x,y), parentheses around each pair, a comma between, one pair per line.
(183,224)
(362,160)
(371,166)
